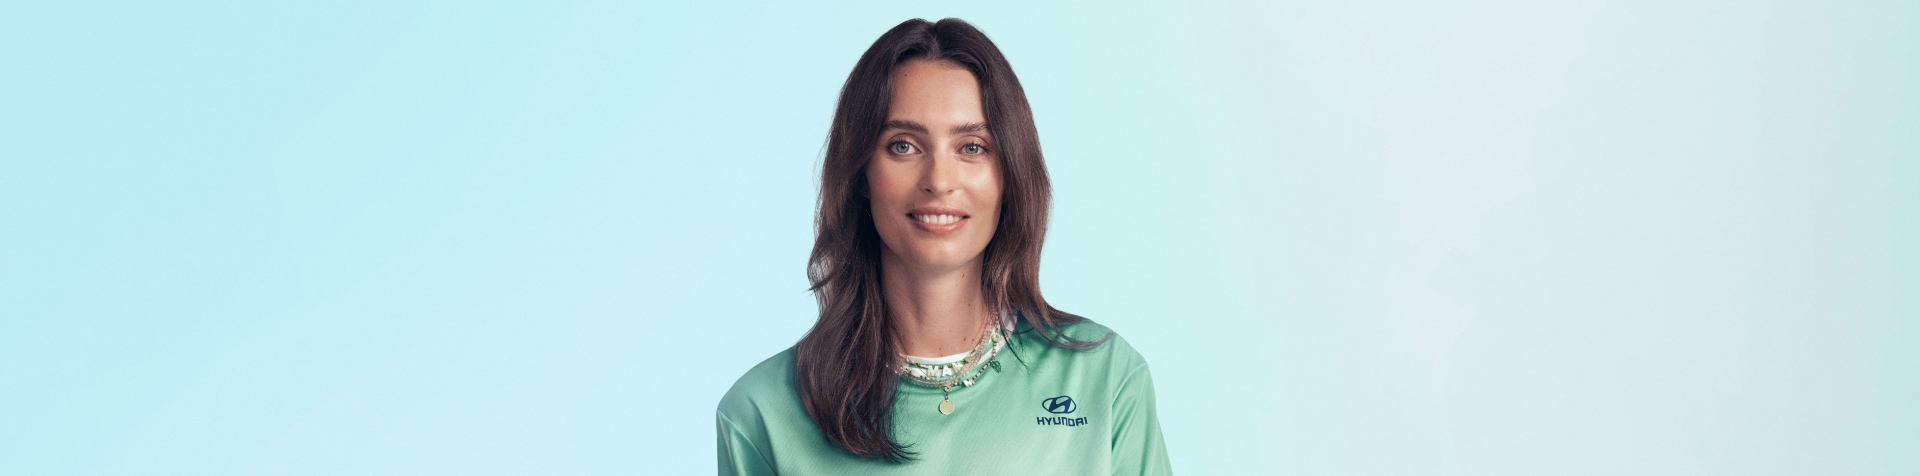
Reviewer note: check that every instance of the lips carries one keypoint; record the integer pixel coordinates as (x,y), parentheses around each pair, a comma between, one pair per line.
(938,220)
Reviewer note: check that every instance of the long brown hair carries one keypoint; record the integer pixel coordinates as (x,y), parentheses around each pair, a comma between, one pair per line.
(844,365)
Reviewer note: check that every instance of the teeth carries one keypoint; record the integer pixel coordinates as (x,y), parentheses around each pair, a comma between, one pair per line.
(937,219)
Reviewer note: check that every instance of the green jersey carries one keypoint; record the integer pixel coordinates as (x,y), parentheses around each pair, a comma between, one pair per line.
(1045,410)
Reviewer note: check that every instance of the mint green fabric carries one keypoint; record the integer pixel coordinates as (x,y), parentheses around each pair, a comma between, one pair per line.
(1000,425)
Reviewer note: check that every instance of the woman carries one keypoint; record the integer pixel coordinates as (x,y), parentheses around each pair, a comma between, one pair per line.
(934,352)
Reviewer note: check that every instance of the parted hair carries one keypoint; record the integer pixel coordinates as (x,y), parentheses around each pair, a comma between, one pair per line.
(843,367)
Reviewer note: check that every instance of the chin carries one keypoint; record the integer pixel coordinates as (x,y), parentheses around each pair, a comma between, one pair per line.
(942,258)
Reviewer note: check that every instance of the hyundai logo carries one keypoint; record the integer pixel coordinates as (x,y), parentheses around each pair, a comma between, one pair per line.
(1060,404)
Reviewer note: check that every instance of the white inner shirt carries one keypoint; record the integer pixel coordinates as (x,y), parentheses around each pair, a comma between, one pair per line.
(937,360)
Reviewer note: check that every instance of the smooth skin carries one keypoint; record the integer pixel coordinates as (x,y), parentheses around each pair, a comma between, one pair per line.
(935,186)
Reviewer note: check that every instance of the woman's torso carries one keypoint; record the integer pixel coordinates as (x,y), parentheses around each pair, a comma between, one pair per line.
(1045,410)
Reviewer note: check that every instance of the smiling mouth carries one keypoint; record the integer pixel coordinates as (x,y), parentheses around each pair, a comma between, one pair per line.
(937,218)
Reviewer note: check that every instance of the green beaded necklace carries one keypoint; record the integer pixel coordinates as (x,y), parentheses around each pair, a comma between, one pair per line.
(963,372)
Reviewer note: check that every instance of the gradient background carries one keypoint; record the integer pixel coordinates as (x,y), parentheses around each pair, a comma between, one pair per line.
(1481,237)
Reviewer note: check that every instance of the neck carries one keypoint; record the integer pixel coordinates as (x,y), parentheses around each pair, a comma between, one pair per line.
(935,312)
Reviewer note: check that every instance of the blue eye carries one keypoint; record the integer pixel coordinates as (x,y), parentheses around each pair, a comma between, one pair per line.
(973,149)
(901,148)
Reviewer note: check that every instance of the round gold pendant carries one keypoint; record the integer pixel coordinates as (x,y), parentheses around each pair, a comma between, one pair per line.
(946,407)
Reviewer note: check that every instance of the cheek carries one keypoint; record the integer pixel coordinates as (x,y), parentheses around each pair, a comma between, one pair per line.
(990,190)
(992,186)
(882,187)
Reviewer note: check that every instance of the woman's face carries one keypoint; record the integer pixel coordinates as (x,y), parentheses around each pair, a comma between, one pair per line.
(934,180)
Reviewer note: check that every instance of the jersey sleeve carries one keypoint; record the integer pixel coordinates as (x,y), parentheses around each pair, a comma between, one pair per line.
(1137,446)
(738,455)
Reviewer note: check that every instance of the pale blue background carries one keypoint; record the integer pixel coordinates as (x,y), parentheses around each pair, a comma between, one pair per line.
(1481,237)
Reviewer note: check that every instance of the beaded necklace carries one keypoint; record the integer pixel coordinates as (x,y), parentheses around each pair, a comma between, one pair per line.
(963,372)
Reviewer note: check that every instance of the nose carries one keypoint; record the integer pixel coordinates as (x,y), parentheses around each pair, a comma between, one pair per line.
(940,174)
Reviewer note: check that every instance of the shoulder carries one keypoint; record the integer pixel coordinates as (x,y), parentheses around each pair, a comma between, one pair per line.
(1112,355)
(1110,341)
(768,386)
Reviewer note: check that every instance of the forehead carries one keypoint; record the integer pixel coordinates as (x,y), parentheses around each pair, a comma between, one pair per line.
(935,93)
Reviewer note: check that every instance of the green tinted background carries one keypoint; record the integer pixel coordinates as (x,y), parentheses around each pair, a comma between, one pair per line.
(1640,237)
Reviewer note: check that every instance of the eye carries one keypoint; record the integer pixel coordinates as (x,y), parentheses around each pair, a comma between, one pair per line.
(973,149)
(900,148)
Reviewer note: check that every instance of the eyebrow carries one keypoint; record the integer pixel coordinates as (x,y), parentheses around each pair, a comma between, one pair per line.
(917,127)
(969,128)
(908,125)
